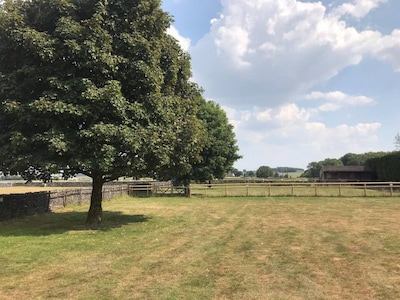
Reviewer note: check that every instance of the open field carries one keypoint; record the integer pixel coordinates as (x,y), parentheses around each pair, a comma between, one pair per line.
(207,248)
(27,189)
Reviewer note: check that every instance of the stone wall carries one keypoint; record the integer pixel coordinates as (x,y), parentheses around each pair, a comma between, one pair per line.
(20,205)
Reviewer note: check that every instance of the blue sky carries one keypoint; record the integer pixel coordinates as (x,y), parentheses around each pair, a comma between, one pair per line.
(300,81)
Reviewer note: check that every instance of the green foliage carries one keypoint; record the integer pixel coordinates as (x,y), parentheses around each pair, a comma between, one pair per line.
(287,170)
(86,90)
(386,167)
(381,162)
(220,151)
(237,173)
(249,173)
(314,168)
(351,159)
(31,173)
(264,172)
(95,87)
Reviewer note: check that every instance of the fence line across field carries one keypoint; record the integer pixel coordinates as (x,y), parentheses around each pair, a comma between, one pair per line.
(155,189)
(338,189)
(303,189)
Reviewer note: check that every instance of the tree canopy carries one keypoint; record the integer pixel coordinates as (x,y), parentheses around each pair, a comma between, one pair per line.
(386,166)
(220,150)
(95,87)
(352,159)
(314,168)
(349,159)
(264,172)
(237,172)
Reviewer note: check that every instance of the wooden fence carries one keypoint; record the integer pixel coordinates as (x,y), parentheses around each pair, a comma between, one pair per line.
(147,189)
(273,189)
(296,189)
(62,198)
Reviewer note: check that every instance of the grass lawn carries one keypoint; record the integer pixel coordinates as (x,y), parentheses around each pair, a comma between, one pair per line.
(208,248)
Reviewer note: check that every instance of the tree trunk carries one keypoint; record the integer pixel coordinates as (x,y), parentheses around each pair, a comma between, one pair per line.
(95,214)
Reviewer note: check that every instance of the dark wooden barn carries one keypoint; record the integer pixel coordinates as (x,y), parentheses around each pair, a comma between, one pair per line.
(346,173)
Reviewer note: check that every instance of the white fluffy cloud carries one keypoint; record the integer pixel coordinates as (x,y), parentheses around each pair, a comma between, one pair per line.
(269,64)
(359,8)
(290,135)
(333,101)
(388,49)
(267,52)
(183,42)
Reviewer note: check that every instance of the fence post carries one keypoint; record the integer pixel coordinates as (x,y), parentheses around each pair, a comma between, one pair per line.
(65,199)
(269,190)
(340,190)
(226,191)
(292,190)
(247,190)
(391,189)
(316,193)
(365,190)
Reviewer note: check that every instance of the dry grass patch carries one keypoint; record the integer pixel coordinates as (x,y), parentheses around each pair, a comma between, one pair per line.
(27,189)
(238,248)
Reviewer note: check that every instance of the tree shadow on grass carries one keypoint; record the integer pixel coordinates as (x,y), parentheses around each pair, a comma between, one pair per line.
(59,223)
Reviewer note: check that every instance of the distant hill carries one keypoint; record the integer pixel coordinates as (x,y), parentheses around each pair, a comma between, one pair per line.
(288,170)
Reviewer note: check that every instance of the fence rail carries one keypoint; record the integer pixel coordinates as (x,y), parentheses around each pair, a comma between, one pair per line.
(338,189)
(155,189)
(62,198)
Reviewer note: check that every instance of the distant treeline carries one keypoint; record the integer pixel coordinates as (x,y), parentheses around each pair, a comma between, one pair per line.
(386,165)
(287,170)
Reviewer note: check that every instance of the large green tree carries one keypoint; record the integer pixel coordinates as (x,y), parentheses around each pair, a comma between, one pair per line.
(95,87)
(220,150)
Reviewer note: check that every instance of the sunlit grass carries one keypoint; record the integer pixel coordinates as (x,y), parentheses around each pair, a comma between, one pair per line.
(208,248)
(28,189)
